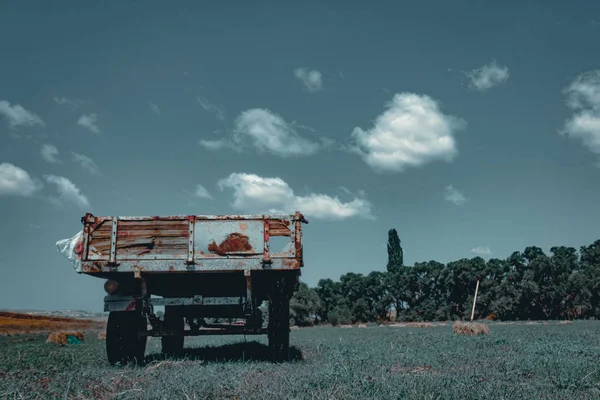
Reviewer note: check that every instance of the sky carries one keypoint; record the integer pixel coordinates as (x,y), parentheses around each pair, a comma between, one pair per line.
(472,128)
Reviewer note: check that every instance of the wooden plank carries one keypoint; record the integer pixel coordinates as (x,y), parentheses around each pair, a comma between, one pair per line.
(278,228)
(144,225)
(123,233)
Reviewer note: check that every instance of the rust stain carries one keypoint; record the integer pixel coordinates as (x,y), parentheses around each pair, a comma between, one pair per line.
(131,306)
(171,268)
(289,263)
(243,227)
(79,248)
(221,217)
(298,239)
(94,267)
(266,250)
(234,243)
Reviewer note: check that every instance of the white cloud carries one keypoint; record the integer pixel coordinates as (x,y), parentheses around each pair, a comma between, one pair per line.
(585,126)
(50,153)
(312,80)
(584,91)
(86,162)
(89,121)
(583,96)
(202,192)
(454,195)
(268,132)
(17,115)
(15,181)
(488,76)
(411,132)
(154,108)
(67,191)
(73,104)
(486,251)
(219,111)
(215,144)
(256,194)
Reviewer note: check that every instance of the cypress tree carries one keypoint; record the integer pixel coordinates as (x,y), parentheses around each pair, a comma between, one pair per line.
(395,253)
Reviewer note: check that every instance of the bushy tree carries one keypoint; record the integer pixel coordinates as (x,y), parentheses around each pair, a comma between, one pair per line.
(525,285)
(304,306)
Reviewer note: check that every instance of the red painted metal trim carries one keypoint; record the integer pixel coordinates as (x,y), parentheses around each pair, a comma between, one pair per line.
(267,236)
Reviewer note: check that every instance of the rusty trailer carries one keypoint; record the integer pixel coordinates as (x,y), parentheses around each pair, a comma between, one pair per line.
(199,268)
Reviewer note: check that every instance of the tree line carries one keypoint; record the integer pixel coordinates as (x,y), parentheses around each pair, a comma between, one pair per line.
(528,285)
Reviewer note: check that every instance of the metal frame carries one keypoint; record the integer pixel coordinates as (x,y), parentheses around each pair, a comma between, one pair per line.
(190,259)
(130,303)
(113,243)
(206,332)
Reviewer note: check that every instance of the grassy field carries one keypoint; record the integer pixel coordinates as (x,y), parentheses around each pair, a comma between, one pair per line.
(517,361)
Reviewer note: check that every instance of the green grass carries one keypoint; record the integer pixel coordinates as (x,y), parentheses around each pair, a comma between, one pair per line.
(515,362)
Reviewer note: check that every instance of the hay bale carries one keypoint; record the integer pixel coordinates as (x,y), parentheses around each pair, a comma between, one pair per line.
(565,322)
(362,326)
(470,329)
(294,328)
(63,337)
(102,336)
(345,326)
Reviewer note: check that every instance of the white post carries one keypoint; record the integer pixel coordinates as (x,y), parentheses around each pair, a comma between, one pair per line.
(474,300)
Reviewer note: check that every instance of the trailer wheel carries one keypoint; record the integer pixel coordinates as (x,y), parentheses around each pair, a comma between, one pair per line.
(123,342)
(279,324)
(172,345)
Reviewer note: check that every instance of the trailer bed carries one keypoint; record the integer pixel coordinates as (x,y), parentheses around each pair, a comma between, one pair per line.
(190,243)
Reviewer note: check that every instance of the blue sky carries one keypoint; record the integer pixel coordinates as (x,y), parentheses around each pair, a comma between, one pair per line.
(472,129)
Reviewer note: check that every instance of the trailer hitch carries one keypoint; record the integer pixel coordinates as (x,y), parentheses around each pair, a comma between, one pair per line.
(148,308)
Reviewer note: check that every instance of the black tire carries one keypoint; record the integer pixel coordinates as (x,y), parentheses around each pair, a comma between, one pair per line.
(279,326)
(172,346)
(123,342)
